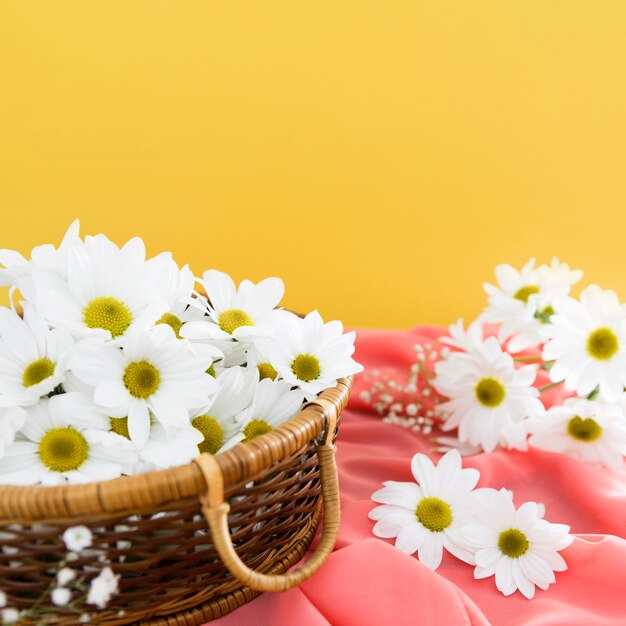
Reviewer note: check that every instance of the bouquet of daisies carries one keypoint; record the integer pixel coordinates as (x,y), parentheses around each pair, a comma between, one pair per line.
(116,364)
(532,337)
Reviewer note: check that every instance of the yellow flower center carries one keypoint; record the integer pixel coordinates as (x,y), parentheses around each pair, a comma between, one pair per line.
(584,429)
(37,371)
(212,432)
(108,313)
(119,425)
(172,321)
(306,367)
(602,344)
(63,449)
(513,543)
(266,370)
(231,319)
(434,514)
(525,292)
(255,428)
(142,379)
(490,392)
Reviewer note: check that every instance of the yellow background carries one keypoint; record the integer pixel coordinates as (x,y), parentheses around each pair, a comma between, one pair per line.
(380,156)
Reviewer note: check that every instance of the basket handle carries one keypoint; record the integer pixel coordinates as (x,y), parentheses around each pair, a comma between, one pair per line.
(216,513)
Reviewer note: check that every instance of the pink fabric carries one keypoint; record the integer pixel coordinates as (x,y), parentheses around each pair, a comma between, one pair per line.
(366,581)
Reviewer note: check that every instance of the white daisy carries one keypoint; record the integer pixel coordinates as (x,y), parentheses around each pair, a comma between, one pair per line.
(519,547)
(153,373)
(310,354)
(11,420)
(273,403)
(216,421)
(108,291)
(588,343)
(64,439)
(166,446)
(489,397)
(462,339)
(592,431)
(524,300)
(33,358)
(17,270)
(427,517)
(176,286)
(235,313)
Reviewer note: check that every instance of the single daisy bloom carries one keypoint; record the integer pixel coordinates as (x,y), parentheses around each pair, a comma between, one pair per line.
(309,354)
(153,373)
(516,545)
(235,313)
(522,301)
(33,358)
(273,403)
(11,420)
(216,422)
(176,286)
(17,269)
(426,517)
(587,341)
(588,430)
(166,447)
(107,292)
(489,397)
(258,359)
(64,439)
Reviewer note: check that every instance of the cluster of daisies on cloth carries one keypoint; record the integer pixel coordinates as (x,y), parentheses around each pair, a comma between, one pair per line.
(488,385)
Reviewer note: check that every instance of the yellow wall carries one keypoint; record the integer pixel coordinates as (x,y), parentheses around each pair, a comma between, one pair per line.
(381,156)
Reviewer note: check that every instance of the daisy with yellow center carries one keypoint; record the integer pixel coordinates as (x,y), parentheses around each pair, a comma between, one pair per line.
(64,439)
(516,545)
(273,403)
(522,301)
(489,398)
(426,517)
(152,374)
(235,315)
(587,342)
(216,421)
(309,354)
(592,431)
(107,291)
(33,358)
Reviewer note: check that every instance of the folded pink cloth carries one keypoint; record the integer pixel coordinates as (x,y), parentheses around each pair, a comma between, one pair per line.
(366,581)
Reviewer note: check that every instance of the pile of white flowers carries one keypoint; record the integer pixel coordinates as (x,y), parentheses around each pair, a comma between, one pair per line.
(118,365)
(533,332)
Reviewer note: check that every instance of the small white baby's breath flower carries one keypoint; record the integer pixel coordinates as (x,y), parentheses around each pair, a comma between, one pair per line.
(102,588)
(61,596)
(10,616)
(77,538)
(65,575)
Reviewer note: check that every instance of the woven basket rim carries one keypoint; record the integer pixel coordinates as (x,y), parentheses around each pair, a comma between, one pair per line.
(128,493)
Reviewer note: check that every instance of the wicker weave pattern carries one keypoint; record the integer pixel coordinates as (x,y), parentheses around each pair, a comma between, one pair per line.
(155,535)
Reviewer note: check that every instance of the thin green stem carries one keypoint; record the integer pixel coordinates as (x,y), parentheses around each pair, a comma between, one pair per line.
(522,359)
(549,386)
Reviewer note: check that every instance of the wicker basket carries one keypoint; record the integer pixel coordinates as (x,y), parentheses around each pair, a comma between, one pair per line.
(260,500)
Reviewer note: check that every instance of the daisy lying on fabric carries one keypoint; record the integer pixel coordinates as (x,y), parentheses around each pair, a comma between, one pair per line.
(119,366)
(478,526)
